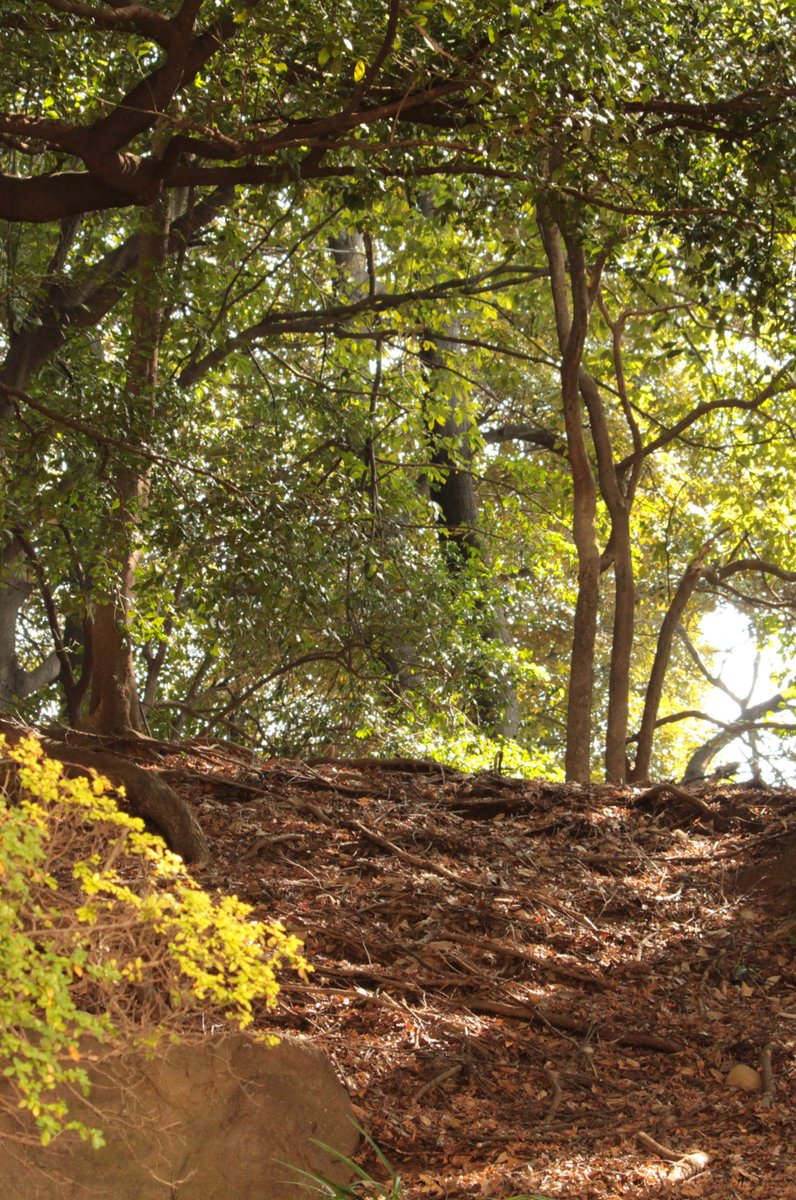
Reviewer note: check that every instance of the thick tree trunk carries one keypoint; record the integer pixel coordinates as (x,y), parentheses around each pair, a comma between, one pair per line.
(15,682)
(114,708)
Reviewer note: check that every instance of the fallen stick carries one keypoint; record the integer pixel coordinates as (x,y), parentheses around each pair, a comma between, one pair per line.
(528,1012)
(552,1079)
(685,1165)
(378,839)
(768,1075)
(678,793)
(423,864)
(524,955)
(440,1077)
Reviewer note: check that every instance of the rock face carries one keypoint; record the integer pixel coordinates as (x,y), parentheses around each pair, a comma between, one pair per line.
(213,1119)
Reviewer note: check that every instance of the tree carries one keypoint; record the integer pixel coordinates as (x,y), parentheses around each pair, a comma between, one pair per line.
(249,532)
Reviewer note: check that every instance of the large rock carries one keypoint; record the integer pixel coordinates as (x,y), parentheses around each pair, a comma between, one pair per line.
(211,1119)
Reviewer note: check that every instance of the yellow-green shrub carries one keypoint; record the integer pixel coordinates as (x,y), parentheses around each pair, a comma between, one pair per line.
(104,936)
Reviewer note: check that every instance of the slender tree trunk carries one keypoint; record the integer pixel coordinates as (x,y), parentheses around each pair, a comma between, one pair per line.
(15,682)
(618,506)
(64,305)
(572,327)
(616,765)
(660,665)
(114,707)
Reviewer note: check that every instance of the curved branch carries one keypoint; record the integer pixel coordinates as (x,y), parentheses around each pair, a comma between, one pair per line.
(132,18)
(316,320)
(777,386)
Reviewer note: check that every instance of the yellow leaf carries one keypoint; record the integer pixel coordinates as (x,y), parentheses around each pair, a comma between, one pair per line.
(359,71)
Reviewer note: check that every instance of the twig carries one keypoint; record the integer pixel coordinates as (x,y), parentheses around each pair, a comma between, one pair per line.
(662,789)
(524,955)
(529,1012)
(768,1075)
(265,843)
(537,897)
(685,1165)
(414,859)
(553,1080)
(448,1073)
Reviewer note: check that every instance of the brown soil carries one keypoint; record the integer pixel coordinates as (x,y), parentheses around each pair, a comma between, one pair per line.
(522,983)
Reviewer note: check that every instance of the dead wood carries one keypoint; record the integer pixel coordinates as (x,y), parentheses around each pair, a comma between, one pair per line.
(484,807)
(439,1078)
(544,962)
(555,1101)
(415,860)
(685,1165)
(413,766)
(767,1072)
(557,1020)
(267,842)
(653,794)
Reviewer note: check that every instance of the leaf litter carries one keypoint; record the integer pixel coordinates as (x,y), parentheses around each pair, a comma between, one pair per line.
(528,987)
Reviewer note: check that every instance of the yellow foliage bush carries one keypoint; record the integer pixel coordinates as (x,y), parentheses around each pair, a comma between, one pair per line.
(105,936)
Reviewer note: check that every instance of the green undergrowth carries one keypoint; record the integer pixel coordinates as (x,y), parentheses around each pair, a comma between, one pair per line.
(363,1185)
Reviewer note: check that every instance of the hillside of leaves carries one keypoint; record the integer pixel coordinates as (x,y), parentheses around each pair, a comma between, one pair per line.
(528,988)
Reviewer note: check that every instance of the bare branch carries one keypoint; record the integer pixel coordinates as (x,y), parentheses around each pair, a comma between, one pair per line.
(132,18)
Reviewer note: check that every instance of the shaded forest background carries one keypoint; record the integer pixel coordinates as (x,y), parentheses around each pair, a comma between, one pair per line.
(403,377)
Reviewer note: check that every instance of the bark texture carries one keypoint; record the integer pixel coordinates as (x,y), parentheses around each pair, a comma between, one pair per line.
(572,326)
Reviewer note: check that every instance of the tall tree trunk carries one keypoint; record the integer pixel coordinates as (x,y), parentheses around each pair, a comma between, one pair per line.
(572,328)
(114,707)
(15,682)
(616,764)
(63,305)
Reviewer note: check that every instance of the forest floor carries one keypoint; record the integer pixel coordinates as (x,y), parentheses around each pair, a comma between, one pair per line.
(522,983)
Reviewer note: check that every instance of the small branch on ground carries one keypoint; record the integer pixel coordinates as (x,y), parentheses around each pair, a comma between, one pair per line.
(768,1075)
(685,1165)
(439,1078)
(528,1012)
(553,1080)
(653,794)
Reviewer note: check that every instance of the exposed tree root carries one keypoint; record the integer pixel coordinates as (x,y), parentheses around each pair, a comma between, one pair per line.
(147,796)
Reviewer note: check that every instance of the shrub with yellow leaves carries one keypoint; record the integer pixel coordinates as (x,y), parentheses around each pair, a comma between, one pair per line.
(105,939)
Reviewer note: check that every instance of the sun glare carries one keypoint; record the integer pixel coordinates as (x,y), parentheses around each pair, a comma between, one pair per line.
(749,675)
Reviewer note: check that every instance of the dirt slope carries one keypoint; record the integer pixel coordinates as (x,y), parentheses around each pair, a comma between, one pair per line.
(522,983)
